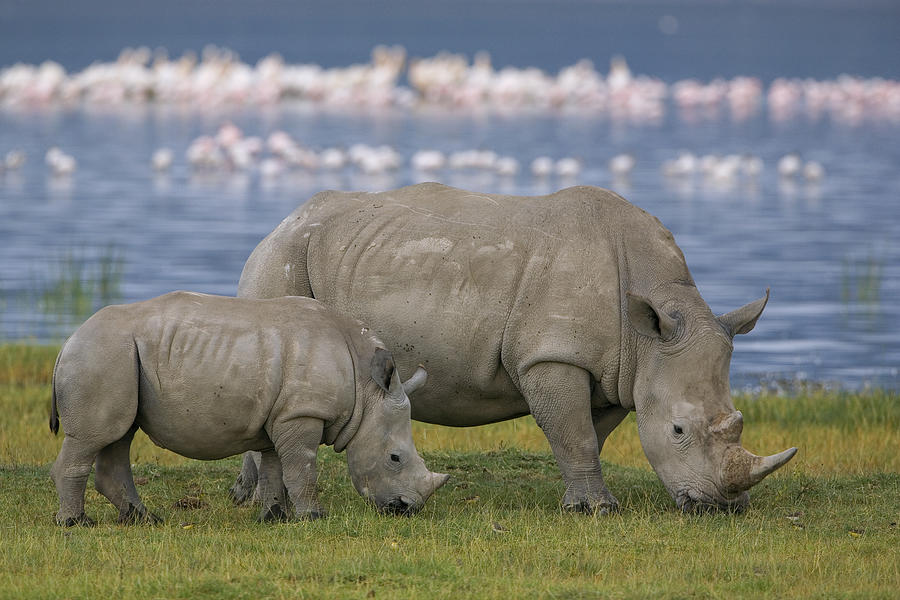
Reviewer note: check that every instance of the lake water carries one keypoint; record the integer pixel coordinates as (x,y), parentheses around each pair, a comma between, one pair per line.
(828,250)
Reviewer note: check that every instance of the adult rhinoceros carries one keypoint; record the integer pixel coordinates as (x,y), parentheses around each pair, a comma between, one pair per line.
(576,307)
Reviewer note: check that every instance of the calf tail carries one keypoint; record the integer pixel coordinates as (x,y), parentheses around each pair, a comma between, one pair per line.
(54,414)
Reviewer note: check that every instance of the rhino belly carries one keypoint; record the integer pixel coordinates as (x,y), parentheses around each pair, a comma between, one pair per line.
(201,426)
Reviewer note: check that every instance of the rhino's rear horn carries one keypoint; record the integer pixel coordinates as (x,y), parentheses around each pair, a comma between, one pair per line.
(729,427)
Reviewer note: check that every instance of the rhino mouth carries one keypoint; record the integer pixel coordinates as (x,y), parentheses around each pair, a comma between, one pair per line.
(400,506)
(698,502)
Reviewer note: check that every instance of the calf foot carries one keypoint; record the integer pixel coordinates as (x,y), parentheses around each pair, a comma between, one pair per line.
(312,515)
(81,520)
(273,513)
(132,515)
(241,493)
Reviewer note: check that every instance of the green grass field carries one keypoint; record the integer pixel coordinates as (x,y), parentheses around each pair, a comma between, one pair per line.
(824,526)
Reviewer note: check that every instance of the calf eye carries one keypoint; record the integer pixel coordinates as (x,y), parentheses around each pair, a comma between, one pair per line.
(395,457)
(677,429)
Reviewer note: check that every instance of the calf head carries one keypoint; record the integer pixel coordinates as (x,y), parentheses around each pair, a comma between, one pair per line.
(384,465)
(688,426)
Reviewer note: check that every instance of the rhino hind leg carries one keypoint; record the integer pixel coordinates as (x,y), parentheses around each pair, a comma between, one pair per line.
(70,474)
(264,276)
(605,421)
(558,396)
(113,479)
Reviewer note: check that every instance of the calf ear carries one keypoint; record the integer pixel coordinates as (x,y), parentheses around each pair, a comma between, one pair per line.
(647,320)
(382,368)
(743,319)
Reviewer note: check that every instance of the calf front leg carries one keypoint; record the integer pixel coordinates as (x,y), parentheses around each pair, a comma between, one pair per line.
(559,397)
(296,442)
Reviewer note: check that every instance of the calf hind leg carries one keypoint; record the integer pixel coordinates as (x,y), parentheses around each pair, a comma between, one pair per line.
(271,489)
(244,488)
(70,473)
(113,479)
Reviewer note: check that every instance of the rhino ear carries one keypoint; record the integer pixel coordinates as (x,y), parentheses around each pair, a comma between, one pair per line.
(647,320)
(744,319)
(383,368)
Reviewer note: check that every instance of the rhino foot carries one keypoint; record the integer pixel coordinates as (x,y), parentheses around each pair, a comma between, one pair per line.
(81,520)
(273,513)
(133,515)
(605,505)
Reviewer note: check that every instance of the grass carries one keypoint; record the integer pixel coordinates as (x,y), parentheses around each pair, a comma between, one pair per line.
(78,283)
(824,526)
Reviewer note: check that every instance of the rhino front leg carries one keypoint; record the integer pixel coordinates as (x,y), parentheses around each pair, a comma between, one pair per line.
(113,479)
(271,489)
(245,486)
(559,398)
(297,442)
(605,421)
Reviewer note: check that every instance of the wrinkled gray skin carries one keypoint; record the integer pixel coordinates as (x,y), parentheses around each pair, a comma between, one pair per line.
(576,307)
(209,377)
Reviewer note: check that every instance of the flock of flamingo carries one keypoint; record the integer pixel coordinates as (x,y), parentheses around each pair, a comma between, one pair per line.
(229,150)
(219,78)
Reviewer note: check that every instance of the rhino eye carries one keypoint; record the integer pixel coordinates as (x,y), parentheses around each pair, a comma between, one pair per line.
(677,429)
(395,457)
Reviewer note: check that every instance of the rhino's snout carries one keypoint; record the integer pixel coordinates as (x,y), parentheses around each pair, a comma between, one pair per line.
(407,505)
(401,506)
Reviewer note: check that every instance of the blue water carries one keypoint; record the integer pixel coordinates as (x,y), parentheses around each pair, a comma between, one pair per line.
(829,251)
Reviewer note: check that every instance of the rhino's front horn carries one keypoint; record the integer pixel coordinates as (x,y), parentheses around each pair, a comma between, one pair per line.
(743,469)
(416,381)
(763,465)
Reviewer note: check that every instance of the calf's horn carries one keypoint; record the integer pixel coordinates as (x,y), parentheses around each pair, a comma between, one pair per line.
(743,469)
(438,479)
(416,381)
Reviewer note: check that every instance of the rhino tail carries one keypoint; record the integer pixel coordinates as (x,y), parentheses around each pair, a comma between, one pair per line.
(54,414)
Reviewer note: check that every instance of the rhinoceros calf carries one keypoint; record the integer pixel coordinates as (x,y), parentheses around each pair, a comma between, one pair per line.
(576,307)
(209,377)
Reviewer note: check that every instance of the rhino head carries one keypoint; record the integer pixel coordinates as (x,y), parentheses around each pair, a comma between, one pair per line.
(688,426)
(383,463)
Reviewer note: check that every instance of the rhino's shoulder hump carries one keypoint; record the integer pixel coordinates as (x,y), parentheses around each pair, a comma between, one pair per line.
(593,195)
